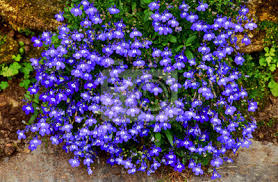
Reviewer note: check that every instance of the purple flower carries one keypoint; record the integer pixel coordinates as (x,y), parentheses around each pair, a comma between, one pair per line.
(74,162)
(246,40)
(113,10)
(36,41)
(192,18)
(96,19)
(54,140)
(156,17)
(202,7)
(155,151)
(156,53)
(246,143)
(59,17)
(230,110)
(173,23)
(91,11)
(154,5)
(86,23)
(204,49)
(34,143)
(76,11)
(198,170)
(179,167)
(156,90)
(239,59)
(67,127)
(209,36)
(250,26)
(135,33)
(216,162)
(243,11)
(20,135)
(139,63)
(28,108)
(215,175)
(252,106)
(238,28)
(85,3)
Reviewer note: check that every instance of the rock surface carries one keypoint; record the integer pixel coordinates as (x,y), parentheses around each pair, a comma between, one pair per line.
(260,10)
(31,14)
(49,164)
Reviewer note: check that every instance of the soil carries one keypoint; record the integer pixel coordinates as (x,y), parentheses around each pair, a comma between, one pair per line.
(11,117)
(267,122)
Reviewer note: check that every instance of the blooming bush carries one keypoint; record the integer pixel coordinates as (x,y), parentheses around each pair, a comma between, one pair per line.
(168,96)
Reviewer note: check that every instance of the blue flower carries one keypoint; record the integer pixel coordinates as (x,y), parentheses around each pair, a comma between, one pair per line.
(230,110)
(215,175)
(74,162)
(28,108)
(59,17)
(202,7)
(216,162)
(113,10)
(20,135)
(76,11)
(198,170)
(154,5)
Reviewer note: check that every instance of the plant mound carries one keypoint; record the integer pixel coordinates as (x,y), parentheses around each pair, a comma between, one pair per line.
(171,95)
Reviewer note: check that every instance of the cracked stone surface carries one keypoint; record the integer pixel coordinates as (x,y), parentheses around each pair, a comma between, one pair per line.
(258,163)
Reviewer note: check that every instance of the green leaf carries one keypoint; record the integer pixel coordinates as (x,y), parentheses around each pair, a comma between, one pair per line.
(157,136)
(190,40)
(179,48)
(146,1)
(262,61)
(173,39)
(3,85)
(26,69)
(272,67)
(21,44)
(17,57)
(11,70)
(25,83)
(273,88)
(169,136)
(147,13)
(21,50)
(33,117)
(266,49)
(157,139)
(133,6)
(189,54)
(268,60)
(15,66)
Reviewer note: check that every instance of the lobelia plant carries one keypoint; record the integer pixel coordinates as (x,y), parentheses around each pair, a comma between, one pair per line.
(169,96)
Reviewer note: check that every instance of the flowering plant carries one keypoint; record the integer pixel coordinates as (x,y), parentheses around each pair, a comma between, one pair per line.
(145,98)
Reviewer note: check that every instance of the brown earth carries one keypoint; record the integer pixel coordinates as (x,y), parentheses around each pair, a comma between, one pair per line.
(11,117)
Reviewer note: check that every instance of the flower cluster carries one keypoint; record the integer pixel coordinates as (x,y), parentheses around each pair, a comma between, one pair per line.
(98,86)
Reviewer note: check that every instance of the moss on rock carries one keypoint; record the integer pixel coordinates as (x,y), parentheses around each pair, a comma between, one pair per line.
(31,14)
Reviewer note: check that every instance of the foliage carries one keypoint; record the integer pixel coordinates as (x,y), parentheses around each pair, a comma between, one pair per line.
(3,39)
(10,70)
(149,83)
(26,32)
(271,30)
(3,85)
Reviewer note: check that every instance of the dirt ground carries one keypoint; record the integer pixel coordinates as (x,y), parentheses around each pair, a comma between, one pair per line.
(11,117)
